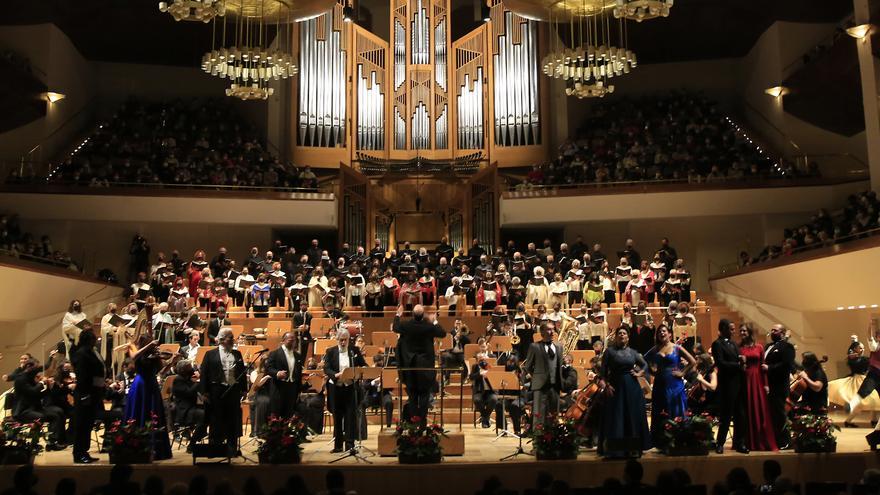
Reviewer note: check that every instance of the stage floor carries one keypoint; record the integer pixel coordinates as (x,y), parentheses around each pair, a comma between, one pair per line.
(481,460)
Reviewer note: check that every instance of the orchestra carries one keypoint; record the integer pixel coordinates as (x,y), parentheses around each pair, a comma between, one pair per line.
(298,373)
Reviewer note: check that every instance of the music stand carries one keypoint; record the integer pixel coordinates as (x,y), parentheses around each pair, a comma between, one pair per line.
(503,379)
(499,344)
(356,375)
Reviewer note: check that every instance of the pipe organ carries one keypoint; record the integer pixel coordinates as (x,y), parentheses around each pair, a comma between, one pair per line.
(418,94)
(322,96)
(515,66)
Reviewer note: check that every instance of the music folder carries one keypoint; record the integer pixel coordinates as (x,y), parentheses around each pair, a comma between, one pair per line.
(83,324)
(349,375)
(117,321)
(501,380)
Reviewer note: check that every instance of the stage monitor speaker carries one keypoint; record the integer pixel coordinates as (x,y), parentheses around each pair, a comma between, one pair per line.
(206,451)
(630,447)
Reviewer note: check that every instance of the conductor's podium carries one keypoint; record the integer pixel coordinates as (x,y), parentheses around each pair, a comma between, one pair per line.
(452,444)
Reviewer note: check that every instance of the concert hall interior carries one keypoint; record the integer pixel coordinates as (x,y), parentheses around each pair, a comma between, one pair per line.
(537,247)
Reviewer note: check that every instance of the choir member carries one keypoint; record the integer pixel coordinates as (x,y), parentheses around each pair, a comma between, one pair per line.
(558,292)
(646,275)
(318,288)
(428,287)
(574,279)
(488,293)
(140,290)
(635,289)
(71,325)
(623,275)
(354,287)
(260,295)
(298,292)
(537,288)
(410,292)
(177,299)
(373,296)
(277,284)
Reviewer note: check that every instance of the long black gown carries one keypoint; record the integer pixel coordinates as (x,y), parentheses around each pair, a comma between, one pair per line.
(623,414)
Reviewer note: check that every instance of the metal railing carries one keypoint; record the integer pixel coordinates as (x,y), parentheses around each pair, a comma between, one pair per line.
(321,192)
(767,181)
(734,267)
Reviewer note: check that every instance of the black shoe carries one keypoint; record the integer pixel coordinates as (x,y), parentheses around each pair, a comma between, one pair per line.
(873,439)
(485,423)
(849,424)
(336,450)
(84,460)
(786,446)
(54,447)
(719,449)
(742,449)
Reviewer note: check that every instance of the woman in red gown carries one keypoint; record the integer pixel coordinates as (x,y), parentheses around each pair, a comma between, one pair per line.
(761,436)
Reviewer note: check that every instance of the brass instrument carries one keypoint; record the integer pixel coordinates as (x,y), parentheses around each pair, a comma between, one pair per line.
(568,335)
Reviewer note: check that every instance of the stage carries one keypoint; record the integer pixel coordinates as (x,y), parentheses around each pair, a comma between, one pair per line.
(481,460)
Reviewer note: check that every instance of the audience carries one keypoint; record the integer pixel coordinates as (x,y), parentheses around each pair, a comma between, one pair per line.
(858,219)
(675,481)
(671,136)
(178,142)
(24,245)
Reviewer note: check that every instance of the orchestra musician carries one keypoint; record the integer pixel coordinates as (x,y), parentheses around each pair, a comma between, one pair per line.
(344,394)
(544,364)
(184,396)
(702,386)
(302,325)
(454,357)
(31,389)
(522,327)
(191,349)
(223,382)
(569,382)
(284,365)
(260,396)
(216,323)
(484,395)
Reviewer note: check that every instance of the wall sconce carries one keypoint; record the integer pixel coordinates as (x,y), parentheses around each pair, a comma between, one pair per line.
(777,91)
(52,96)
(859,32)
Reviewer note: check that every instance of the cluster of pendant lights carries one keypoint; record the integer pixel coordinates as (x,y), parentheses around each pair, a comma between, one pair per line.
(241,49)
(598,37)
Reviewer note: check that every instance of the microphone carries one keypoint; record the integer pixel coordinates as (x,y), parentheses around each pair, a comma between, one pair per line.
(261,352)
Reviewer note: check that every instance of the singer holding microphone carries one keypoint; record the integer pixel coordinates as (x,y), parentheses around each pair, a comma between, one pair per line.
(285,366)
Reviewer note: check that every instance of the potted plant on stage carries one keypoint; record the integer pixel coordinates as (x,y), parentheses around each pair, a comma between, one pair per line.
(556,439)
(813,433)
(418,443)
(688,435)
(20,442)
(131,443)
(280,440)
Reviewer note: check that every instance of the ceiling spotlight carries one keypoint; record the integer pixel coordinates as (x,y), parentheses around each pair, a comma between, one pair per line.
(840,308)
(348,14)
(859,32)
(777,91)
(485,11)
(52,96)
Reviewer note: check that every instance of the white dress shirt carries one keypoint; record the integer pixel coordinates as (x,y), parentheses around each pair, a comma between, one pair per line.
(227,361)
(291,362)
(344,362)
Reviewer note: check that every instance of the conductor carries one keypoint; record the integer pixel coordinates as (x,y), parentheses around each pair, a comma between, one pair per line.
(415,349)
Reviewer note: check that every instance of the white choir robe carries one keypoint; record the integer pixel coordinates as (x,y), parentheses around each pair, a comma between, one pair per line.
(316,295)
(537,294)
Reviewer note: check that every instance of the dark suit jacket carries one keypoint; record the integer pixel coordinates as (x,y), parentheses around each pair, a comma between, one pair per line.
(185,394)
(779,359)
(302,318)
(89,367)
(537,364)
(730,371)
(28,394)
(214,325)
(277,361)
(415,347)
(331,360)
(212,374)
(478,384)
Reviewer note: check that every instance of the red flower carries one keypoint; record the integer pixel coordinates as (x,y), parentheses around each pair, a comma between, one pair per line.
(416,419)
(286,441)
(118,440)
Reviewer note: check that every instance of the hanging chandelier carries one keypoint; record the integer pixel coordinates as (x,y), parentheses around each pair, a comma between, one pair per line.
(642,10)
(599,52)
(193,10)
(253,61)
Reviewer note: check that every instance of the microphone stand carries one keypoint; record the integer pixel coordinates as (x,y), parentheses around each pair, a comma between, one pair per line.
(519,449)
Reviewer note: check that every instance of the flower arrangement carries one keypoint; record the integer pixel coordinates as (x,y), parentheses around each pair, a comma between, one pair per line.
(418,443)
(280,440)
(813,433)
(130,442)
(556,438)
(20,442)
(688,435)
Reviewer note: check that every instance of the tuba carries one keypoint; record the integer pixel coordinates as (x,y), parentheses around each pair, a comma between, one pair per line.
(568,334)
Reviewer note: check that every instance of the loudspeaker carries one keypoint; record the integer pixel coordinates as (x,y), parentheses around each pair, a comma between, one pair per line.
(210,451)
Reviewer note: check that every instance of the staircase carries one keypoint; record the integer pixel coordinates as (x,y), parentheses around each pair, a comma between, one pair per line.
(718,311)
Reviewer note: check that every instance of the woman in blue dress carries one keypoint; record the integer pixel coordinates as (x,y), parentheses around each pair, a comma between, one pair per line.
(624,427)
(668,396)
(144,398)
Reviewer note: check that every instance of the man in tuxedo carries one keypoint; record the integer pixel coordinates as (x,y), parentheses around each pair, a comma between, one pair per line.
(302,323)
(730,396)
(285,366)
(216,323)
(415,349)
(779,364)
(224,383)
(344,394)
(544,364)
(191,349)
(88,395)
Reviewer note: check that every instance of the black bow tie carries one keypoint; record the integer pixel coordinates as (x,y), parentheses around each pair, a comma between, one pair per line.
(550,351)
